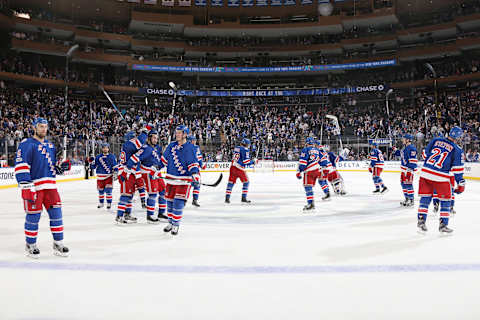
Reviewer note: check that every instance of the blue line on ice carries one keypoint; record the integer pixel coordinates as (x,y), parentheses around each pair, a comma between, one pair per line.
(241,269)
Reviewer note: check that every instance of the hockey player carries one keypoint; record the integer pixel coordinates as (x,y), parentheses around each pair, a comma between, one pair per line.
(408,166)
(149,161)
(196,186)
(443,156)
(127,177)
(376,168)
(241,159)
(162,203)
(325,169)
(334,176)
(180,158)
(105,165)
(35,171)
(308,165)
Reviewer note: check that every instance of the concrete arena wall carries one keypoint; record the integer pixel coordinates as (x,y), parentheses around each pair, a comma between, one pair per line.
(472,170)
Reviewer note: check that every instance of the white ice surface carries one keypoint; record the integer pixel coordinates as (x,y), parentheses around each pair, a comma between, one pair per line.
(356,257)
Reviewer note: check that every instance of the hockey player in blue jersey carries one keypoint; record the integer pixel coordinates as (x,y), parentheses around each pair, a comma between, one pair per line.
(180,158)
(376,168)
(105,165)
(35,171)
(162,203)
(196,186)
(408,166)
(443,157)
(308,165)
(325,169)
(334,176)
(240,161)
(150,162)
(127,177)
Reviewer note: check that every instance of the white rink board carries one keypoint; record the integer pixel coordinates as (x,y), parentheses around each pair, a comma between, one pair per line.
(356,257)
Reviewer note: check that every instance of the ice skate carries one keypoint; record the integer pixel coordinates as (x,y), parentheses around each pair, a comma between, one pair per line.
(327,197)
(244,200)
(59,249)
(162,216)
(129,218)
(384,190)
(227,200)
(453,212)
(343,193)
(152,219)
(174,230)
(195,203)
(144,205)
(32,251)
(100,205)
(109,206)
(436,206)
(309,207)
(444,229)
(120,220)
(168,227)
(422,227)
(376,191)
(407,203)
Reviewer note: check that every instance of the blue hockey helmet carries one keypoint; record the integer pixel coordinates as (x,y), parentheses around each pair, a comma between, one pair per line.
(456,132)
(191,138)
(129,135)
(246,141)
(374,143)
(310,140)
(182,128)
(105,145)
(39,120)
(408,136)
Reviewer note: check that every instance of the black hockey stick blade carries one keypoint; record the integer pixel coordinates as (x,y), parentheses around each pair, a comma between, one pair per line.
(216,182)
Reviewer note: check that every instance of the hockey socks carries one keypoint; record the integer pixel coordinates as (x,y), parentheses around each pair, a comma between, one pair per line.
(196,191)
(228,193)
(408,191)
(245,190)
(122,205)
(56,223)
(324,185)
(162,203)
(151,202)
(309,193)
(423,207)
(101,196)
(31,227)
(176,207)
(108,191)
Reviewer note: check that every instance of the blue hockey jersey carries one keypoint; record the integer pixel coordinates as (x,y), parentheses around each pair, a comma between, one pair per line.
(309,158)
(324,161)
(408,158)
(129,148)
(334,159)
(148,158)
(181,162)
(241,157)
(105,165)
(442,158)
(35,162)
(376,158)
(199,156)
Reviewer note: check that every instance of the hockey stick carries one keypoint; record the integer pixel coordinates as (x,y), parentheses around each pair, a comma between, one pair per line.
(216,183)
(113,105)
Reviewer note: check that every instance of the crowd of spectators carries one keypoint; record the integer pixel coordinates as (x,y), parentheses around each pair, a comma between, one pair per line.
(276,132)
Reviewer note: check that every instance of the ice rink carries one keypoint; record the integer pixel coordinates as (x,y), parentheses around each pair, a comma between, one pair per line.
(356,257)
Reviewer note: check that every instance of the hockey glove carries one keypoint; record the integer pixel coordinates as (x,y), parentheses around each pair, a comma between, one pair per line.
(91,159)
(204,166)
(299,175)
(370,169)
(148,127)
(64,166)
(28,191)
(461,186)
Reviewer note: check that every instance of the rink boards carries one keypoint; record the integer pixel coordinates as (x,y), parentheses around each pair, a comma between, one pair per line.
(472,170)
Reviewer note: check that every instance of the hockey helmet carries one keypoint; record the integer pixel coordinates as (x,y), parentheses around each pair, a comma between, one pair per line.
(129,135)
(310,140)
(408,136)
(105,145)
(39,120)
(246,141)
(182,128)
(456,132)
